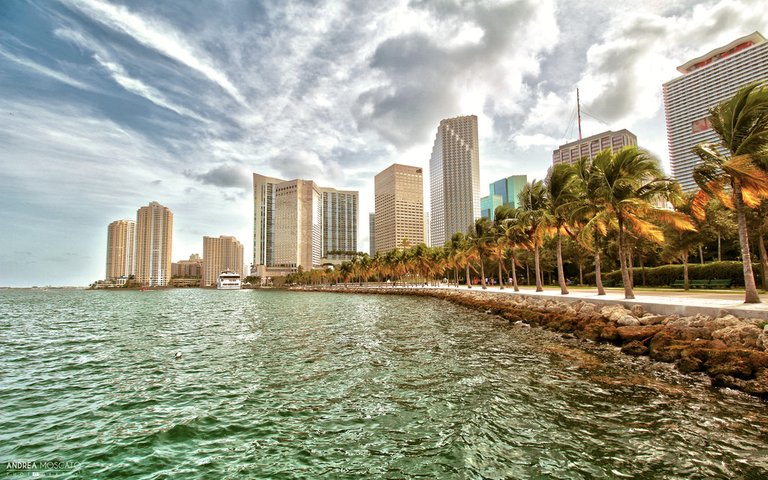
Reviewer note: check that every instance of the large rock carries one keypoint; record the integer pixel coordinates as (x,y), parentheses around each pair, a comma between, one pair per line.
(634,348)
(638,333)
(762,340)
(614,313)
(757,386)
(742,335)
(650,319)
(627,321)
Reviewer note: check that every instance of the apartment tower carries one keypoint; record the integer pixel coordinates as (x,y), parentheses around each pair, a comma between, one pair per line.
(121,249)
(372,234)
(298,225)
(399,204)
(339,209)
(570,153)
(154,235)
(706,81)
(454,178)
(264,219)
(220,254)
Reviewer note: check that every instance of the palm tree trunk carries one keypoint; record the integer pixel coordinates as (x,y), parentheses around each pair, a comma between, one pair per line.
(537,269)
(514,274)
(598,274)
(482,273)
(560,271)
(719,248)
(750,289)
(685,270)
(501,278)
(628,294)
(469,284)
(701,254)
(763,259)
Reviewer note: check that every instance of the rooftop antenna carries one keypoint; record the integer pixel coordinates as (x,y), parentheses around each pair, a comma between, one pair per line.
(578,110)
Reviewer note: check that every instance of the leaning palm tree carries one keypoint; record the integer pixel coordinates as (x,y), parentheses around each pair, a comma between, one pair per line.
(586,214)
(481,239)
(514,229)
(735,170)
(561,197)
(532,203)
(629,185)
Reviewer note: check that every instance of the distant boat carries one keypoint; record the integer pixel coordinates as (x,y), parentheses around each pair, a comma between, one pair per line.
(228,280)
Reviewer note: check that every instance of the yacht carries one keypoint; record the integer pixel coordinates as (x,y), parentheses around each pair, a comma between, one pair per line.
(228,280)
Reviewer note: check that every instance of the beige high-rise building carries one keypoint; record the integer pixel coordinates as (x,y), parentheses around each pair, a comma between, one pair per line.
(399,204)
(454,178)
(121,249)
(570,153)
(264,219)
(220,254)
(298,224)
(154,236)
(192,268)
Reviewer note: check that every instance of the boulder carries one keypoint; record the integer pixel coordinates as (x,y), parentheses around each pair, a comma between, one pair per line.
(757,386)
(762,339)
(637,310)
(614,313)
(627,320)
(649,319)
(743,335)
(634,348)
(638,333)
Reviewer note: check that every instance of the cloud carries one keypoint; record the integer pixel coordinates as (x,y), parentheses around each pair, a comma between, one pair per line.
(227,176)
(45,71)
(158,36)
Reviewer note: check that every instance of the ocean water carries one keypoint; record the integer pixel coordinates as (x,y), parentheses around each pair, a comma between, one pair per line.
(276,384)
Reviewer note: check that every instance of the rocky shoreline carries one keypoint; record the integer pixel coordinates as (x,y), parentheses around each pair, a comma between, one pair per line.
(732,351)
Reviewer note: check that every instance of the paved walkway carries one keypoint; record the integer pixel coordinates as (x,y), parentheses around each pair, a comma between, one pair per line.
(692,302)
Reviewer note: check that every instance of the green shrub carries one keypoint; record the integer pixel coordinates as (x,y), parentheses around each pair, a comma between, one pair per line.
(664,275)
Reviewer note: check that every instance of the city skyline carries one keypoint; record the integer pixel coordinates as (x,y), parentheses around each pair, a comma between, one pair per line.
(108,105)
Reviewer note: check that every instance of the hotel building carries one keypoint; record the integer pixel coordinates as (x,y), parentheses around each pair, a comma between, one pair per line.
(192,268)
(154,235)
(502,192)
(570,153)
(296,222)
(372,234)
(454,178)
(399,204)
(121,248)
(706,81)
(220,254)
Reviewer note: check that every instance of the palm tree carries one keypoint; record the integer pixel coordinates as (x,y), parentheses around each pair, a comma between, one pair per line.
(629,185)
(510,221)
(560,188)
(735,170)
(678,243)
(481,239)
(532,203)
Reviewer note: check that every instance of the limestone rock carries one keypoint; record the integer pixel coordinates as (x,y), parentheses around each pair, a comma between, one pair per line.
(762,339)
(743,335)
(638,333)
(634,348)
(628,320)
(637,310)
(650,319)
(614,313)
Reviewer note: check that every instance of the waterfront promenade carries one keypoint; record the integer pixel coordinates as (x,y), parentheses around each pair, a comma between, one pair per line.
(712,303)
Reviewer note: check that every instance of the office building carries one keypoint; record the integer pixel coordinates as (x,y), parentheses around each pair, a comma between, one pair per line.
(264,219)
(121,248)
(220,254)
(570,153)
(502,192)
(154,236)
(454,178)
(399,204)
(372,234)
(298,225)
(706,81)
(339,209)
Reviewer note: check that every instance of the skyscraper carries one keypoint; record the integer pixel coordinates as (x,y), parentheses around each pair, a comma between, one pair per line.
(121,249)
(399,205)
(298,225)
(372,234)
(339,209)
(454,178)
(570,153)
(264,219)
(502,192)
(706,81)
(220,254)
(154,235)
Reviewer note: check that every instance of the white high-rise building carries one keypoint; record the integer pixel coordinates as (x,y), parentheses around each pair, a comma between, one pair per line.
(264,219)
(706,81)
(121,249)
(154,237)
(339,209)
(454,178)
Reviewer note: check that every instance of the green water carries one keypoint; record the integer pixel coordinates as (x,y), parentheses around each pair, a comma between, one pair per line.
(310,385)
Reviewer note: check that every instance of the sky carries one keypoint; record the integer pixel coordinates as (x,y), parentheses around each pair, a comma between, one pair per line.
(107,105)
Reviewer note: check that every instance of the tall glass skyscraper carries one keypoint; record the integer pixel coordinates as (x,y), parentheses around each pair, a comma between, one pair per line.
(706,81)
(454,178)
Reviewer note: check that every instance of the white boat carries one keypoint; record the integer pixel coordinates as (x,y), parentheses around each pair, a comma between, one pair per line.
(228,280)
